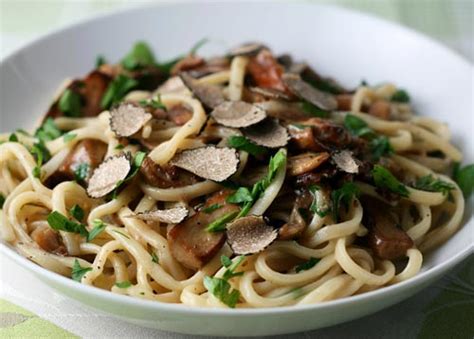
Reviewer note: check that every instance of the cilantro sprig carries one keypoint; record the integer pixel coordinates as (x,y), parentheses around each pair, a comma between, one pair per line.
(59,222)
(383,178)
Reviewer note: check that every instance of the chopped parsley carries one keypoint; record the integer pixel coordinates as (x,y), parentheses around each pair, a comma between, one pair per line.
(70,104)
(136,164)
(212,208)
(325,85)
(48,131)
(343,196)
(431,184)
(383,178)
(400,96)
(307,265)
(242,143)
(36,172)
(59,222)
(464,177)
(242,195)
(78,271)
(119,147)
(77,212)
(81,172)
(69,137)
(220,223)
(220,287)
(98,226)
(380,146)
(313,110)
(99,61)
(318,205)
(155,103)
(154,258)
(123,284)
(13,138)
(117,89)
(140,56)
(41,153)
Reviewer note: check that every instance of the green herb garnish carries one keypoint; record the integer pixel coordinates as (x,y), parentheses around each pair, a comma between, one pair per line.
(69,137)
(13,138)
(117,89)
(242,143)
(81,172)
(140,56)
(242,195)
(212,208)
(400,96)
(98,226)
(307,265)
(384,179)
(77,212)
(70,104)
(78,271)
(136,164)
(380,146)
(220,223)
(36,172)
(123,284)
(59,222)
(313,110)
(318,205)
(343,196)
(154,258)
(48,131)
(99,61)
(155,103)
(119,147)
(431,184)
(464,177)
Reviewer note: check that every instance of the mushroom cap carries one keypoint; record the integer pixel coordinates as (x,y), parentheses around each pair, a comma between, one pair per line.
(307,92)
(210,162)
(267,133)
(110,172)
(250,234)
(238,114)
(127,119)
(210,95)
(169,216)
(247,49)
(345,161)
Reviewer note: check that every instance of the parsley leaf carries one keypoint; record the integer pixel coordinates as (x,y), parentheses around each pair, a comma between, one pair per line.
(307,265)
(464,177)
(140,56)
(123,284)
(357,126)
(314,111)
(59,222)
(155,103)
(325,85)
(154,258)
(81,172)
(242,194)
(78,271)
(242,143)
(231,266)
(69,137)
(380,146)
(70,104)
(318,205)
(117,89)
(384,179)
(220,223)
(36,172)
(2,201)
(197,46)
(343,196)
(77,212)
(119,147)
(99,61)
(400,96)
(212,208)
(48,131)
(41,153)
(13,138)
(136,164)
(429,183)
(99,226)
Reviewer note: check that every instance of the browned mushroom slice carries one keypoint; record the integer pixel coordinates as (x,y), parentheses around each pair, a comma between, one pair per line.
(109,173)
(345,161)
(210,95)
(165,176)
(268,133)
(266,71)
(302,138)
(87,153)
(169,216)
(213,65)
(247,49)
(307,92)
(270,93)
(127,119)
(213,163)
(249,235)
(189,241)
(49,240)
(306,162)
(296,223)
(328,134)
(238,114)
(386,238)
(380,109)
(179,114)
(187,63)
(344,102)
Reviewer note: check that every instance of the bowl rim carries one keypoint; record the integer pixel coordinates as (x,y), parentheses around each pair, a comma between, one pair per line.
(104,295)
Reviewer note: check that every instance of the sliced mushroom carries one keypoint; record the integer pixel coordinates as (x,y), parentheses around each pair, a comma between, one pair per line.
(238,114)
(380,109)
(266,71)
(306,162)
(127,119)
(270,93)
(210,95)
(169,216)
(302,138)
(345,161)
(190,243)
(213,163)
(179,114)
(249,235)
(329,135)
(307,92)
(172,85)
(187,63)
(386,238)
(49,240)
(268,133)
(165,176)
(247,49)
(296,223)
(106,177)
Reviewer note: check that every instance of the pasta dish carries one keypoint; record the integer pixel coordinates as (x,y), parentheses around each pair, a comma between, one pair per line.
(244,180)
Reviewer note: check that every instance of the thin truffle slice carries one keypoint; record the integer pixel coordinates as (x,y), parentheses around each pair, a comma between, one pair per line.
(307,92)
(345,161)
(268,133)
(249,235)
(270,93)
(106,177)
(213,163)
(127,119)
(238,114)
(247,49)
(169,216)
(210,95)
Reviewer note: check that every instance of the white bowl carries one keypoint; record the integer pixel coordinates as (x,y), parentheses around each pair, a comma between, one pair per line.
(347,45)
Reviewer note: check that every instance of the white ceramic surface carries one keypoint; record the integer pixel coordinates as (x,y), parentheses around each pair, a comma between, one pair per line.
(346,45)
